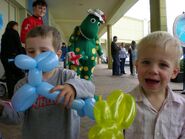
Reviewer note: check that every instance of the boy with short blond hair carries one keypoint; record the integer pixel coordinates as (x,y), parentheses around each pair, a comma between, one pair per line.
(160,111)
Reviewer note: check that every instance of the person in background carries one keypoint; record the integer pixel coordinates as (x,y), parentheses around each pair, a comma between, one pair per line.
(115,56)
(10,48)
(64,53)
(160,111)
(39,10)
(132,57)
(47,119)
(122,56)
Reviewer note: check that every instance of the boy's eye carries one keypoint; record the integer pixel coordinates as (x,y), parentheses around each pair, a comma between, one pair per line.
(164,65)
(145,62)
(31,52)
(44,51)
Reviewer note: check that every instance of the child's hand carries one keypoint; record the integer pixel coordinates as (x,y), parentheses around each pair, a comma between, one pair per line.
(67,92)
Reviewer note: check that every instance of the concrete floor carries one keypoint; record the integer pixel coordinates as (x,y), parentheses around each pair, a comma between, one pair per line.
(105,83)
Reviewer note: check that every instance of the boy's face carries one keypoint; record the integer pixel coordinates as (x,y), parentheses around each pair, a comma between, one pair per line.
(155,68)
(39,10)
(37,45)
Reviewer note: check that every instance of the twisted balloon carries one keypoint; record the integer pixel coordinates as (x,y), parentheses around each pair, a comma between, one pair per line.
(113,115)
(29,92)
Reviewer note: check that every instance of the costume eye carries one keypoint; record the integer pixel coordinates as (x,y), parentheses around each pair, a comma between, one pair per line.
(93,20)
(98,23)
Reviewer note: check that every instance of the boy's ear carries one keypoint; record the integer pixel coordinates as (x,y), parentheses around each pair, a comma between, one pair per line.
(175,73)
(59,53)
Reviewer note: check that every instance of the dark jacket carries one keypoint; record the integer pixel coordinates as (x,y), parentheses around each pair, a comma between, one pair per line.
(115,49)
(11,45)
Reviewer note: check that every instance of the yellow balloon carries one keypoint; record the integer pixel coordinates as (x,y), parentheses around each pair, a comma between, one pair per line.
(130,111)
(102,112)
(113,115)
(117,106)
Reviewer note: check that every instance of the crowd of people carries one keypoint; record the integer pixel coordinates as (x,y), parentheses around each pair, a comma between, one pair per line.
(160,111)
(119,55)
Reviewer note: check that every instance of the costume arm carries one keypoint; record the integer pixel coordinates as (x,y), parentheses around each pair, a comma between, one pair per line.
(100,50)
(84,88)
(99,47)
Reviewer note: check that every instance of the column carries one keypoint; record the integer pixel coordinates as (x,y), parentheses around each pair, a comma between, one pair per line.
(158,15)
(109,40)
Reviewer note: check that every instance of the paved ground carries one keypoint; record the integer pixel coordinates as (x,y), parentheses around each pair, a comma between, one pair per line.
(105,83)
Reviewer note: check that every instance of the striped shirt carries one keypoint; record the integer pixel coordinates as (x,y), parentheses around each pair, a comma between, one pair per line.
(168,123)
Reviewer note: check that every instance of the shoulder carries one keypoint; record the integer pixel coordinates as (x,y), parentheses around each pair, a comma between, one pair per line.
(14,32)
(135,91)
(178,98)
(75,33)
(27,19)
(113,44)
(66,73)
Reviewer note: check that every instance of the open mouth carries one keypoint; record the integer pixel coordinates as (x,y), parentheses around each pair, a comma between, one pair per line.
(151,81)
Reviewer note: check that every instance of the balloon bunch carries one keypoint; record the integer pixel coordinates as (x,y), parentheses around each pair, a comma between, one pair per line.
(113,115)
(29,92)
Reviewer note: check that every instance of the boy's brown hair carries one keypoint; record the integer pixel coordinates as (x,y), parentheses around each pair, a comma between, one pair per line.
(46,31)
(39,2)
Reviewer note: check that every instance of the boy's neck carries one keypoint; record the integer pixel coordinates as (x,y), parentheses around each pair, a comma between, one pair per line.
(156,99)
(35,16)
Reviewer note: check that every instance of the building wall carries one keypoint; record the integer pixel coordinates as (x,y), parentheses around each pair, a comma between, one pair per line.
(128,29)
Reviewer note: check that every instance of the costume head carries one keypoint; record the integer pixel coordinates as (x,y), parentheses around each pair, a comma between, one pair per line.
(90,26)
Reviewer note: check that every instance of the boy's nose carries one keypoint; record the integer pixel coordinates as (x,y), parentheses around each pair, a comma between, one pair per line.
(37,53)
(153,69)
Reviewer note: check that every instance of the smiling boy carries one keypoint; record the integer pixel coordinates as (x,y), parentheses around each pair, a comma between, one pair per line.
(160,111)
(39,10)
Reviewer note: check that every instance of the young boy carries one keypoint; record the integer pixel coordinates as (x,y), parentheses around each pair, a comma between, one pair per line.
(46,119)
(39,10)
(160,111)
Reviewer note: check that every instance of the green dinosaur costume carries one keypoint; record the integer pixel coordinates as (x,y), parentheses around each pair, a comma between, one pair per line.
(84,41)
